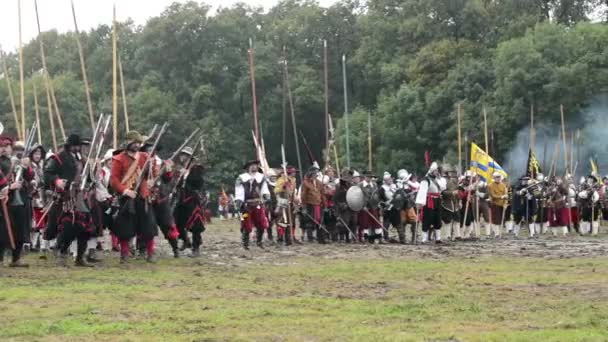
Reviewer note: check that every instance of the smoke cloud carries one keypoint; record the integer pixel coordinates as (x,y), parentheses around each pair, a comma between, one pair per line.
(591,142)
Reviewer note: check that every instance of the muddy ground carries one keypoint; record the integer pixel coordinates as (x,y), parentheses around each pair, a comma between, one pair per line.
(222,246)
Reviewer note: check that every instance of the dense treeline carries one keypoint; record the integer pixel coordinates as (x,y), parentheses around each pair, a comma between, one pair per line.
(409,63)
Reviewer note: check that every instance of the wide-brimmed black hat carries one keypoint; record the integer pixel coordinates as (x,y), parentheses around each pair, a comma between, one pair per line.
(75,140)
(249,163)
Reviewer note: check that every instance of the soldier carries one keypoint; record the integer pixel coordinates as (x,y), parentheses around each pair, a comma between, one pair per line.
(70,214)
(285,190)
(251,195)
(369,227)
(103,201)
(190,209)
(134,217)
(524,205)
(590,206)
(347,218)
(450,210)
(38,195)
(498,202)
(428,200)
(466,194)
(407,189)
(604,198)
(272,218)
(15,202)
(559,213)
(312,206)
(329,213)
(392,206)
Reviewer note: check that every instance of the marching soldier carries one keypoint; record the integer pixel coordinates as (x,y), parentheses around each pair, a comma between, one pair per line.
(134,217)
(38,195)
(70,214)
(407,190)
(251,195)
(272,218)
(16,209)
(189,212)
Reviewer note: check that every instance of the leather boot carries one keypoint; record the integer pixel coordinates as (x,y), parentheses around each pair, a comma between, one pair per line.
(259,237)
(245,239)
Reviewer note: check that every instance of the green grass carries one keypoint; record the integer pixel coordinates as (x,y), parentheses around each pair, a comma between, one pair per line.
(484,299)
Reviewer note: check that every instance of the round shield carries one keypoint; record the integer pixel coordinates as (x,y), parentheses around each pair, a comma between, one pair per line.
(355,198)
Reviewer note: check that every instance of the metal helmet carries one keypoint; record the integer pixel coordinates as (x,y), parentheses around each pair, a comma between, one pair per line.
(355,198)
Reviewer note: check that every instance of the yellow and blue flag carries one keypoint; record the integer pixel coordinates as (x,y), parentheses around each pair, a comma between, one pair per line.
(484,165)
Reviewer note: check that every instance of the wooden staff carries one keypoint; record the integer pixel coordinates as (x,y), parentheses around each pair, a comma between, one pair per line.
(10,94)
(37,111)
(123,92)
(326,81)
(87,89)
(485,129)
(292,110)
(21,78)
(254,101)
(561,110)
(47,78)
(458,122)
(7,222)
(114,82)
(572,154)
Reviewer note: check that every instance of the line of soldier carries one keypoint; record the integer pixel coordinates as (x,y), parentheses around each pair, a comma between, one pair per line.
(49,202)
(354,207)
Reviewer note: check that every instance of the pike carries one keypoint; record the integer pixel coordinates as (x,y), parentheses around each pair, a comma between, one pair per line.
(87,164)
(311,157)
(21,76)
(11,96)
(176,152)
(83,67)
(50,90)
(292,110)
(346,111)
(284,166)
(333,144)
(322,226)
(347,227)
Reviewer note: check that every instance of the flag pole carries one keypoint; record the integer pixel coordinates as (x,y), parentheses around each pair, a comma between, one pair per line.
(114,81)
(87,89)
(21,76)
(10,94)
(346,111)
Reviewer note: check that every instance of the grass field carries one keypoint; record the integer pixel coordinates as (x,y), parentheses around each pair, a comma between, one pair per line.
(249,296)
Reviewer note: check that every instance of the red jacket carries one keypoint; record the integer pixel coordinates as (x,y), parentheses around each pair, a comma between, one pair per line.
(120,165)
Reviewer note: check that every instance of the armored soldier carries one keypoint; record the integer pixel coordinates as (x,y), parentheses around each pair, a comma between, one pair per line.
(329,213)
(392,206)
(428,200)
(369,227)
(312,204)
(347,218)
(466,193)
(37,194)
(285,190)
(251,195)
(405,196)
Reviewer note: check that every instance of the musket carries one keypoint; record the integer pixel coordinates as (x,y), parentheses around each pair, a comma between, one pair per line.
(88,162)
(177,152)
(140,178)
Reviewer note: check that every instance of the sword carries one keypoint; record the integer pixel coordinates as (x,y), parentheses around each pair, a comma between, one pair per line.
(315,221)
(375,219)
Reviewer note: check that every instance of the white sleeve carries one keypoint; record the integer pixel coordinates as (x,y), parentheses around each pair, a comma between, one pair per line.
(596,197)
(264,189)
(239,192)
(422,191)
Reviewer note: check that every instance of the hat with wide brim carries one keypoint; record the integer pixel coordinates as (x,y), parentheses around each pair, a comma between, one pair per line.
(75,140)
(251,162)
(135,137)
